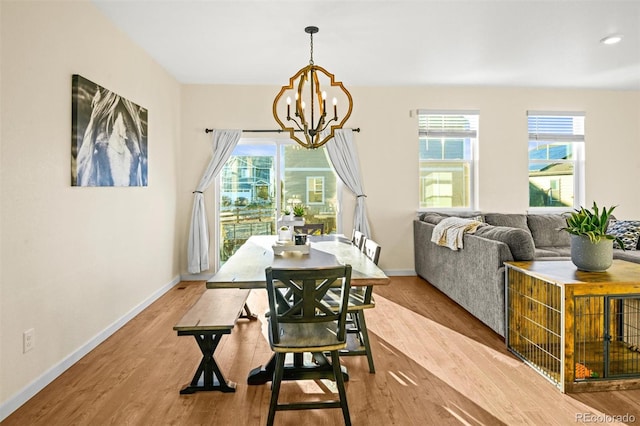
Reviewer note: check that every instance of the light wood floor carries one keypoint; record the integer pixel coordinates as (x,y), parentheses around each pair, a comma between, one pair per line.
(435,364)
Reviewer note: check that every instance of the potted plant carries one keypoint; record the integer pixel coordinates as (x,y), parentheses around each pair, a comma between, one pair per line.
(298,211)
(591,245)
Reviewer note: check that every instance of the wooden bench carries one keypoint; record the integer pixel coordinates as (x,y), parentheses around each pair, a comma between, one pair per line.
(214,314)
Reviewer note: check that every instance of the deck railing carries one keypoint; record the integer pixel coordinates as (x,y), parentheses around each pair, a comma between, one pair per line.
(237,224)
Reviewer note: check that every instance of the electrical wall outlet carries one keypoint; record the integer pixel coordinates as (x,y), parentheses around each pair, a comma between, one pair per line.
(28,340)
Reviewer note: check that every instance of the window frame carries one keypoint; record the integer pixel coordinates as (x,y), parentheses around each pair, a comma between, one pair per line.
(472,162)
(577,142)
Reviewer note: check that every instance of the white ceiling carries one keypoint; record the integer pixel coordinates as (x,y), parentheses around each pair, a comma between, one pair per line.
(543,43)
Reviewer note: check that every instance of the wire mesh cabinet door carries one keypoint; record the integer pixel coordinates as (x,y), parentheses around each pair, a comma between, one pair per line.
(607,337)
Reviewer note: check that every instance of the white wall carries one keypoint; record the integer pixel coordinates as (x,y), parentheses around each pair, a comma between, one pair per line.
(388,147)
(75,261)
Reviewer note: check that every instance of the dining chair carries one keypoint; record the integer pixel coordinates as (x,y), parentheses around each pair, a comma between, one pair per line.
(301,321)
(371,249)
(309,229)
(360,298)
(357,238)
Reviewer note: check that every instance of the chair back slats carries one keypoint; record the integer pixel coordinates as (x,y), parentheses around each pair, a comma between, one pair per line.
(357,238)
(301,303)
(371,249)
(298,296)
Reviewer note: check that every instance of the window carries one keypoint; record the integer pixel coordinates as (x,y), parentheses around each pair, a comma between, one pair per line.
(315,190)
(447,144)
(262,178)
(556,146)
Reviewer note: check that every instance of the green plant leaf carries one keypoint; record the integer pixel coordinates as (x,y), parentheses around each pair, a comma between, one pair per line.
(591,223)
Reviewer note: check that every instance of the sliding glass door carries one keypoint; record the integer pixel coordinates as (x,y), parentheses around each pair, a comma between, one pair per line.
(261,179)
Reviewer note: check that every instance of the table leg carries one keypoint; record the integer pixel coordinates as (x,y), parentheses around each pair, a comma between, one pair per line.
(208,376)
(320,369)
(248,314)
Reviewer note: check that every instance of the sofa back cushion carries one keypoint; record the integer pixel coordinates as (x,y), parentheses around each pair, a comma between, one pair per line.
(433,218)
(519,241)
(511,220)
(436,217)
(545,229)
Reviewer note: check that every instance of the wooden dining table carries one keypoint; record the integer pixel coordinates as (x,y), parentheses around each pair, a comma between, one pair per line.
(246,269)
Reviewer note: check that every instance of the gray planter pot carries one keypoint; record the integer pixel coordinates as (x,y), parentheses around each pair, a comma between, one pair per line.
(592,257)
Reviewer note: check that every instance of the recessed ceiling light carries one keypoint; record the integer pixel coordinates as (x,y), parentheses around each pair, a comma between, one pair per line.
(612,39)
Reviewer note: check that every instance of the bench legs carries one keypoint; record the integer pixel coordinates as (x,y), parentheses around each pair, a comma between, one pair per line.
(208,376)
(248,314)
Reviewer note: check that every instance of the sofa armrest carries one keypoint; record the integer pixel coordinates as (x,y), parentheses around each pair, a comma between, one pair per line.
(472,276)
(519,241)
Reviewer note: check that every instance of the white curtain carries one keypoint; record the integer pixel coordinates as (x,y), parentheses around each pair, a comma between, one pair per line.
(224,141)
(344,157)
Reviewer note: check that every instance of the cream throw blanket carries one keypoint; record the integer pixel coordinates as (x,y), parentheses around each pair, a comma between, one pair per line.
(450,231)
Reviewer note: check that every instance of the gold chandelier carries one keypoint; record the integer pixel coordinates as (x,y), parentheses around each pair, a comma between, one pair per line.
(310,110)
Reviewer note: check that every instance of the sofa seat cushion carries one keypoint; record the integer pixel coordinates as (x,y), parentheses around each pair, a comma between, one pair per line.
(511,220)
(551,251)
(545,229)
(628,255)
(519,241)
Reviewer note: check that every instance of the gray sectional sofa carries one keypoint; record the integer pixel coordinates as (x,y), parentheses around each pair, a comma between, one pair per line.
(474,275)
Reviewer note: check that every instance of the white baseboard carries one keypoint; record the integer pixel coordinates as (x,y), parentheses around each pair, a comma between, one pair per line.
(400,272)
(14,402)
(197,277)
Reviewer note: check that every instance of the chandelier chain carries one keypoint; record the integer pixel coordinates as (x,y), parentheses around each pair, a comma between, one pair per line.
(311,58)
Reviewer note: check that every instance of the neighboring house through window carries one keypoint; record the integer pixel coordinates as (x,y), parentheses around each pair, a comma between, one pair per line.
(265,177)
(556,156)
(315,190)
(448,142)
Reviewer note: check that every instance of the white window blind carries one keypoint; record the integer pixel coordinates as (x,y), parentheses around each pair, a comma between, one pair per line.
(461,124)
(556,126)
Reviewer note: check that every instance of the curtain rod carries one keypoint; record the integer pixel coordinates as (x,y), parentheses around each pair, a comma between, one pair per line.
(270,131)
